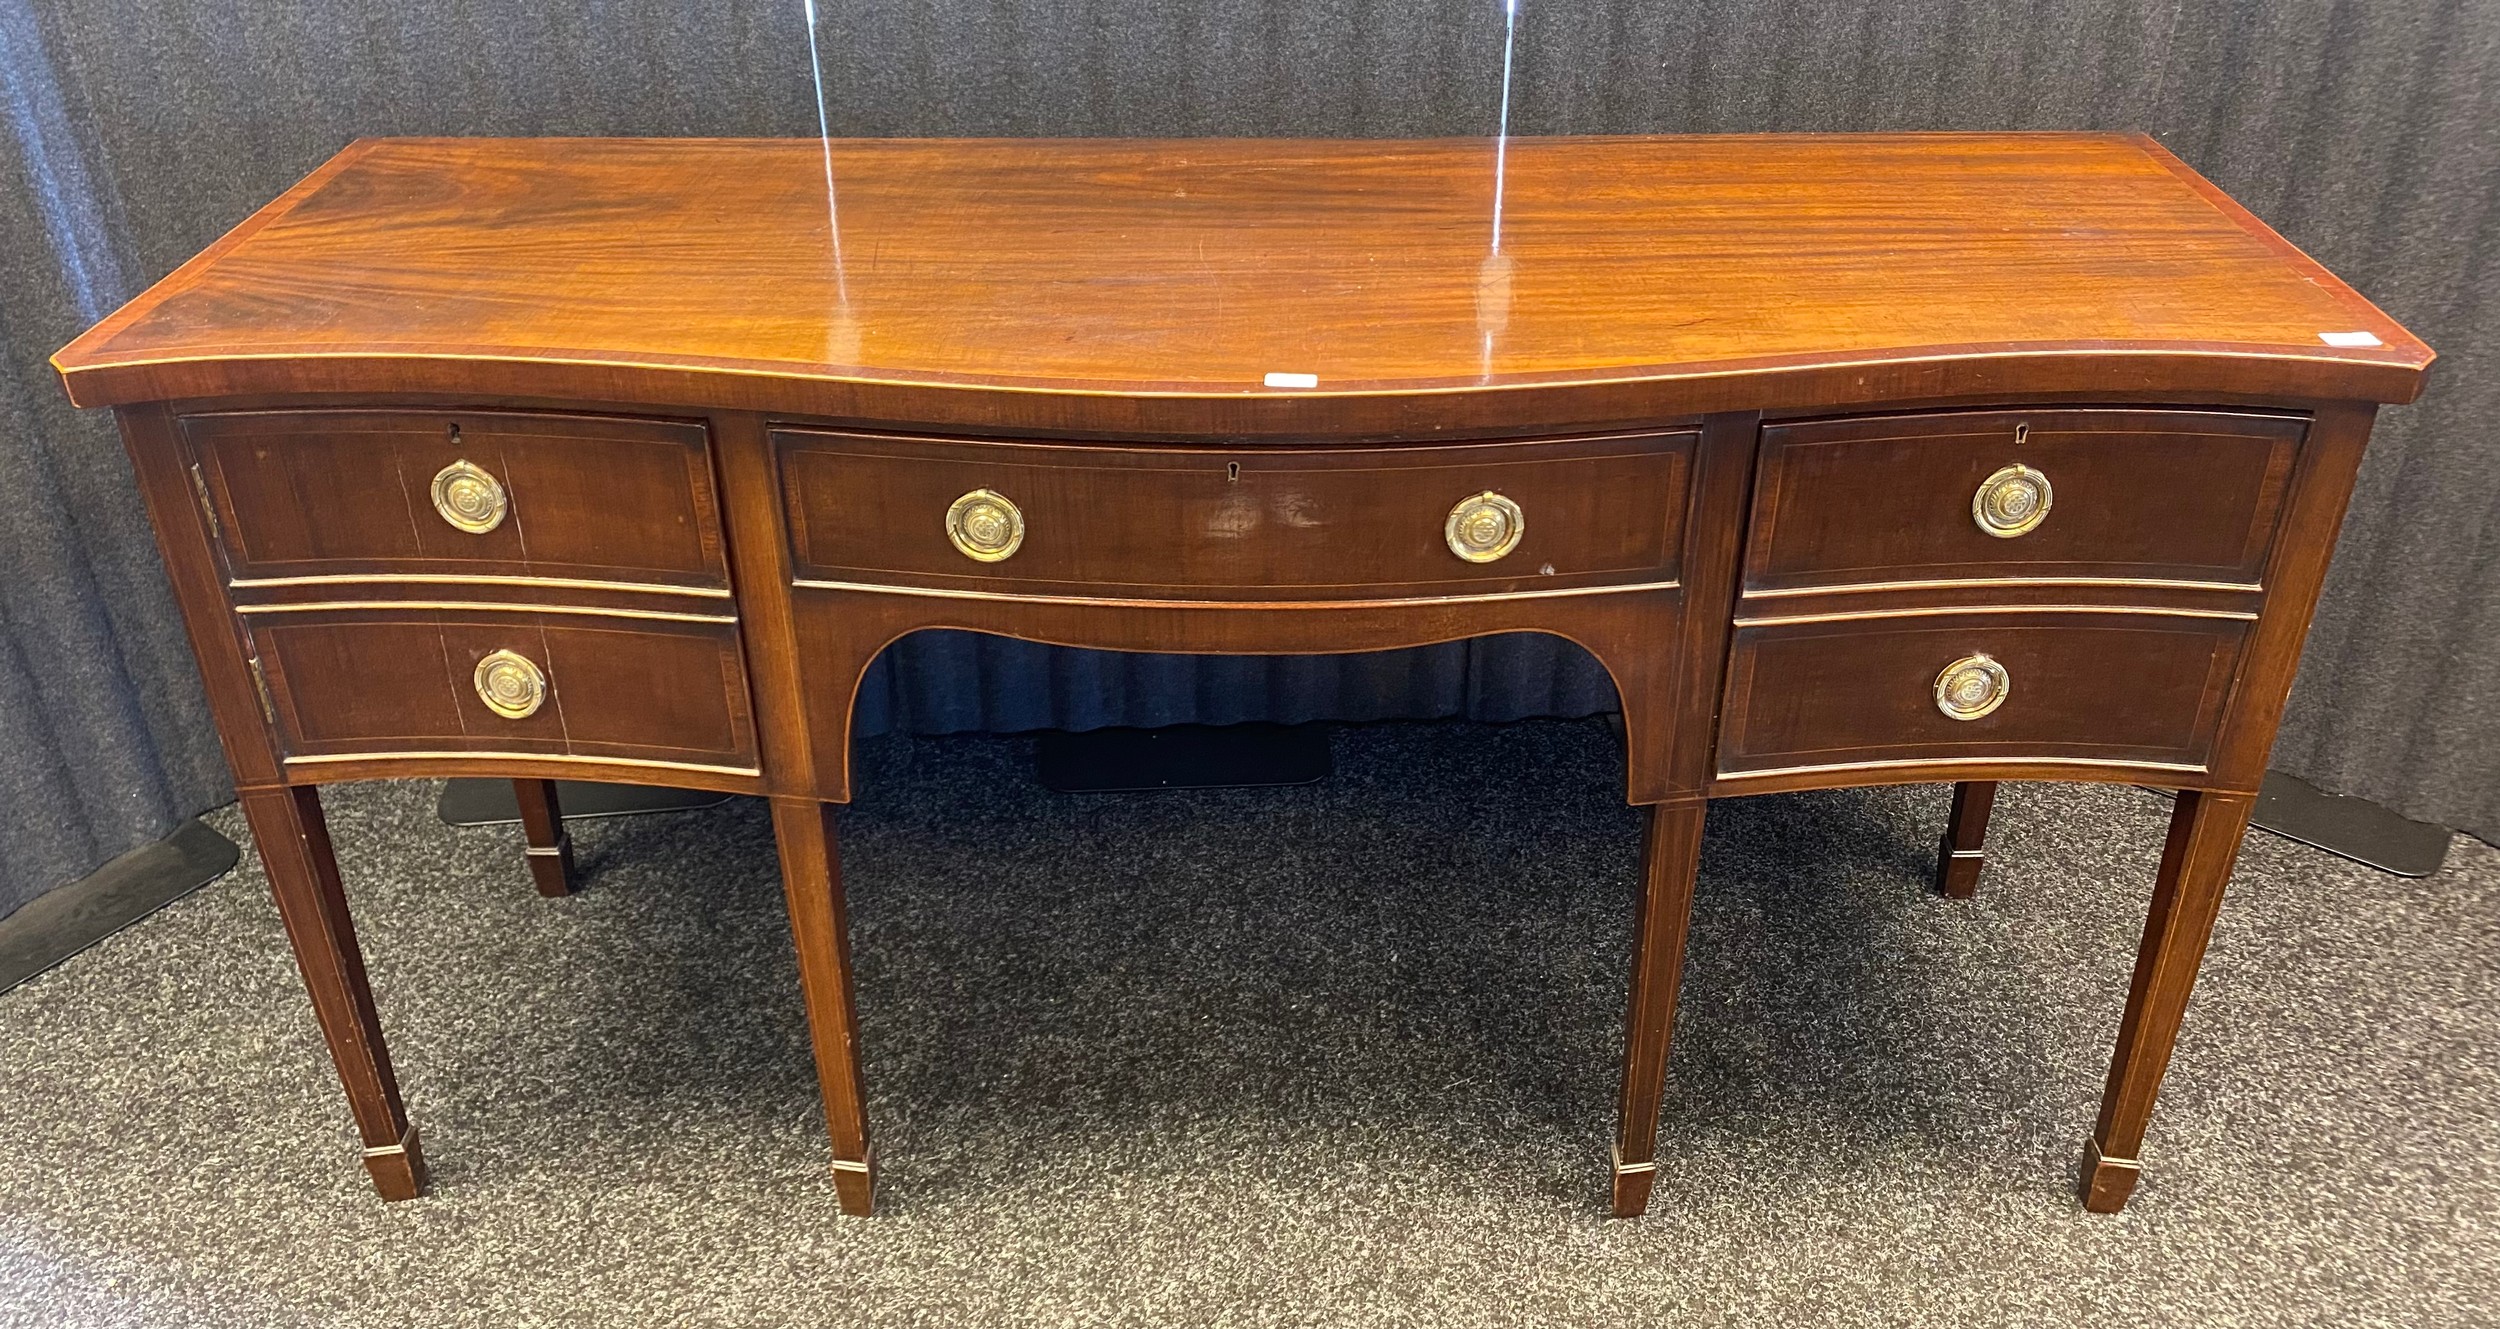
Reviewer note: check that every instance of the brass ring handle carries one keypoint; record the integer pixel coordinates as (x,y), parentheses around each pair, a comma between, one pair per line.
(1484,527)
(985,526)
(2011,502)
(469,498)
(1971,687)
(510,685)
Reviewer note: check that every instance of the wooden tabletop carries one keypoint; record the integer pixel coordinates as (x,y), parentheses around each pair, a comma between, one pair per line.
(643,269)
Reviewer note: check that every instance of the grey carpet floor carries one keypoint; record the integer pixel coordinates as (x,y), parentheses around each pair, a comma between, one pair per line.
(1342,1054)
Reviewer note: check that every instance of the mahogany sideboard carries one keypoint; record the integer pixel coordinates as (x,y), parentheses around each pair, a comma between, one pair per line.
(1852,459)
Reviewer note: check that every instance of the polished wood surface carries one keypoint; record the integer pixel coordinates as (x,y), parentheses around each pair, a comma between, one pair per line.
(1670,855)
(2205,831)
(841,631)
(2141,695)
(293,841)
(313,496)
(387,679)
(1964,852)
(1743,393)
(811,879)
(1195,523)
(550,846)
(2137,496)
(725,273)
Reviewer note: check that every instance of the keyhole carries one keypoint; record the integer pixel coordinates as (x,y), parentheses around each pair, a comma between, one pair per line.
(2022,433)
(1232,471)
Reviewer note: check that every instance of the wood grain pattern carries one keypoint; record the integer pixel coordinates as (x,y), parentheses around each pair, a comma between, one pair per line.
(421,765)
(548,846)
(840,631)
(1670,856)
(2196,860)
(293,841)
(347,494)
(760,551)
(2165,496)
(1964,852)
(1106,521)
(1130,270)
(730,444)
(811,879)
(354,682)
(2296,572)
(162,466)
(1837,703)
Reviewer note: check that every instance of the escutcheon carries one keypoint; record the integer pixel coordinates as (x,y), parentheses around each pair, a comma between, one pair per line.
(985,526)
(469,498)
(1484,527)
(2011,502)
(510,685)
(1971,687)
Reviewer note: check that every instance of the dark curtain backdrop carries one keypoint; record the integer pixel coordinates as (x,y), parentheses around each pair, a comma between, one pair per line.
(137,130)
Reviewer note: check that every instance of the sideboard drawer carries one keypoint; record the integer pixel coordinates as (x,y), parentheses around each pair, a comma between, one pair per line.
(453,494)
(374,681)
(2160,495)
(1213,523)
(2056,687)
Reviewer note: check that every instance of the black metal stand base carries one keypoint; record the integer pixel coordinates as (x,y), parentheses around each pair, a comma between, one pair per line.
(1119,761)
(2353,828)
(479,802)
(63,922)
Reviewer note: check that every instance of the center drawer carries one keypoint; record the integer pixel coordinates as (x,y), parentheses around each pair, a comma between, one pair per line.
(1240,523)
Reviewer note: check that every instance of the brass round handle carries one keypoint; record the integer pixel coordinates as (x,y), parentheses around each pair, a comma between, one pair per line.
(1484,527)
(2011,502)
(1971,687)
(985,526)
(469,498)
(510,685)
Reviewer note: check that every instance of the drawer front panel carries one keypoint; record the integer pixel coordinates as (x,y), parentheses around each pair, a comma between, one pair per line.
(352,494)
(2155,495)
(375,681)
(2090,687)
(1201,523)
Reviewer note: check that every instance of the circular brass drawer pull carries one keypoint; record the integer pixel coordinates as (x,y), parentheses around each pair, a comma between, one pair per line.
(1971,687)
(510,685)
(1484,528)
(469,498)
(2011,502)
(985,526)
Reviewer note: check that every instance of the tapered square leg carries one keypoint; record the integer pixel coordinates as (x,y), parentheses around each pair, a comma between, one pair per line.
(1632,1184)
(2196,861)
(294,846)
(2107,1182)
(398,1170)
(811,878)
(1670,855)
(1963,853)
(549,846)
